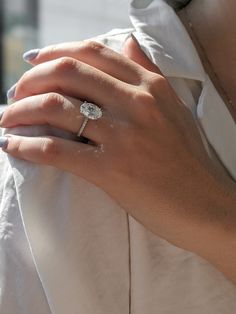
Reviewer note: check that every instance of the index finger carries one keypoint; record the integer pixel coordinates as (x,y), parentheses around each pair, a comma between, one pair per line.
(95,54)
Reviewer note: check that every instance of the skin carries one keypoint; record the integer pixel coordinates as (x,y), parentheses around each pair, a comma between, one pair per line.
(159,172)
(211,21)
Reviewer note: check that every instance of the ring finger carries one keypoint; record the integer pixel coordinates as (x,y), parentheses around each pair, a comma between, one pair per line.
(59,111)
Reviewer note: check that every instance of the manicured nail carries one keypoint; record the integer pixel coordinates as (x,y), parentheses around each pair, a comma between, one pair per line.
(31,54)
(11,92)
(3,141)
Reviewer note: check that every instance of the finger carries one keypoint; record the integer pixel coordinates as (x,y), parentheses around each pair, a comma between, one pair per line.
(58,111)
(96,55)
(73,78)
(74,157)
(133,51)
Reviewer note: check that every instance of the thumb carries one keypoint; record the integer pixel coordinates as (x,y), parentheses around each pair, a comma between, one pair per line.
(132,50)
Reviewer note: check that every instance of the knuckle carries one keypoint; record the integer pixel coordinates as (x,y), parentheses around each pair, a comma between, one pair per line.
(49,150)
(146,107)
(26,76)
(156,82)
(93,46)
(51,102)
(16,148)
(50,50)
(65,65)
(144,98)
(22,84)
(22,88)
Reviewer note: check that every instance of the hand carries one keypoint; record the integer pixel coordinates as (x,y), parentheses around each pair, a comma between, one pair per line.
(147,153)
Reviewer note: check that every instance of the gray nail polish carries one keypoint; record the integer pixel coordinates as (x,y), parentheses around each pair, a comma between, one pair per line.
(3,141)
(31,54)
(11,92)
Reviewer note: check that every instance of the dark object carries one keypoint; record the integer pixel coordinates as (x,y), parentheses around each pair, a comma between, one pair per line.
(18,33)
(178,4)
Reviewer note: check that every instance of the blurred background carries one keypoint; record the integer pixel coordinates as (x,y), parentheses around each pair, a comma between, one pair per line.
(28,24)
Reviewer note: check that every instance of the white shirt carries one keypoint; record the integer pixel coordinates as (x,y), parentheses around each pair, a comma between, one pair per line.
(66,247)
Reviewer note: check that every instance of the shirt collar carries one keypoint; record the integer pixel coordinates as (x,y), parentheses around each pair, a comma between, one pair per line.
(164,35)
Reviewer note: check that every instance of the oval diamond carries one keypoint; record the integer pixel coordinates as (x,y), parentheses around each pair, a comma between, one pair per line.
(90,110)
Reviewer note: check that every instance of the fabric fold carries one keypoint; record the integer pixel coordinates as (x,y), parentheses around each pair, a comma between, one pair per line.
(67,247)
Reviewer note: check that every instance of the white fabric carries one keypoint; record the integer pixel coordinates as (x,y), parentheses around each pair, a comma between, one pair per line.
(66,247)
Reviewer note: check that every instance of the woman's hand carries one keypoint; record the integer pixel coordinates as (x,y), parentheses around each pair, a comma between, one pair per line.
(147,153)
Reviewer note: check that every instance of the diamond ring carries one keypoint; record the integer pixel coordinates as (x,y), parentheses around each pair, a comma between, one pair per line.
(90,112)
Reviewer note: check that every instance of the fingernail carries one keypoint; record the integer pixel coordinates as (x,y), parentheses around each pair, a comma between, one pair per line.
(31,54)
(3,141)
(11,92)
